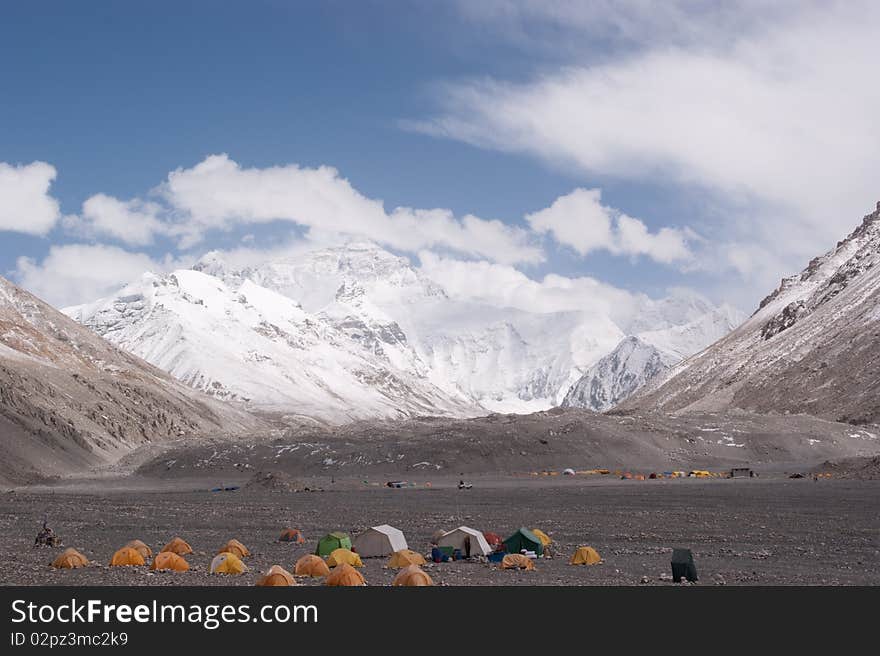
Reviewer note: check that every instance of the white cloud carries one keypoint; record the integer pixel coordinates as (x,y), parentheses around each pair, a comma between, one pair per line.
(25,203)
(777,119)
(219,194)
(132,222)
(579,220)
(79,273)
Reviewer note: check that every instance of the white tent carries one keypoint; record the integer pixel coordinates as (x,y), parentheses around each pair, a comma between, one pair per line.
(379,541)
(470,541)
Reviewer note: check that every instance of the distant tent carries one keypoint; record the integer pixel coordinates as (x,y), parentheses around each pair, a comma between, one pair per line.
(524,539)
(379,541)
(331,541)
(543,537)
(168,560)
(683,565)
(469,541)
(412,576)
(311,565)
(227,563)
(291,535)
(517,561)
(345,575)
(405,558)
(70,559)
(585,556)
(127,556)
(276,576)
(347,556)
(178,546)
(493,539)
(236,547)
(144,550)
(568,472)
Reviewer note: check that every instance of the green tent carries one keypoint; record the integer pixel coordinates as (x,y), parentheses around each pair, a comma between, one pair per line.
(331,541)
(523,539)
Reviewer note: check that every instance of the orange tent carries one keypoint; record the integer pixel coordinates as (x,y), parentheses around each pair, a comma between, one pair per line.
(141,547)
(127,556)
(585,556)
(227,563)
(178,546)
(412,576)
(517,561)
(291,535)
(168,560)
(276,576)
(236,547)
(70,559)
(405,558)
(339,556)
(345,575)
(311,565)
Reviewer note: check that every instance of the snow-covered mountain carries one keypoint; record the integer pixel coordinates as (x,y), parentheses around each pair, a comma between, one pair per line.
(355,331)
(618,375)
(810,347)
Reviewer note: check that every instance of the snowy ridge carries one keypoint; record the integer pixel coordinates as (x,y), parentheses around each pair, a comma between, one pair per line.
(354,332)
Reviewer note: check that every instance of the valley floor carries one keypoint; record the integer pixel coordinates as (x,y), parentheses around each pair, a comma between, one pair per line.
(765,531)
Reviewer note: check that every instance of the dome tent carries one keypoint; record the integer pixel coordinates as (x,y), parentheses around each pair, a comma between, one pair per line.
(347,556)
(412,576)
(379,541)
(524,539)
(169,561)
(70,559)
(276,576)
(405,558)
(311,565)
(345,575)
(179,546)
(331,541)
(585,556)
(127,556)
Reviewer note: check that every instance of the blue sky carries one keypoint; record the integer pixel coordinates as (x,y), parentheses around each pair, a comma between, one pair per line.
(495,111)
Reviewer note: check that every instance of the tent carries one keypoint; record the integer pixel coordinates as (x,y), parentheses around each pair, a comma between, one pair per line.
(468,540)
(585,556)
(568,472)
(331,541)
(236,547)
(340,556)
(517,561)
(683,565)
(524,539)
(543,537)
(144,550)
(379,541)
(127,556)
(311,565)
(227,563)
(178,546)
(291,535)
(345,575)
(168,560)
(412,576)
(493,539)
(405,558)
(276,576)
(70,559)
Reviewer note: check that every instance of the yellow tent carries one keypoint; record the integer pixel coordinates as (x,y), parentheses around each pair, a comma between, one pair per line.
(70,559)
(585,556)
(168,560)
(412,576)
(347,556)
(345,575)
(144,550)
(405,558)
(236,547)
(311,565)
(517,561)
(276,576)
(227,563)
(543,537)
(178,546)
(127,556)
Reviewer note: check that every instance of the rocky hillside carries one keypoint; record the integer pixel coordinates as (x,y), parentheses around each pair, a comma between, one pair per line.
(70,400)
(812,346)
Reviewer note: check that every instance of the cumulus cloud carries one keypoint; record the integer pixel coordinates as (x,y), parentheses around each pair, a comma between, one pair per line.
(25,203)
(579,220)
(218,193)
(79,273)
(134,222)
(778,117)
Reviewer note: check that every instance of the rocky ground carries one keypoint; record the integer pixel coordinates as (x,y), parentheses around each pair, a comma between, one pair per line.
(766,531)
